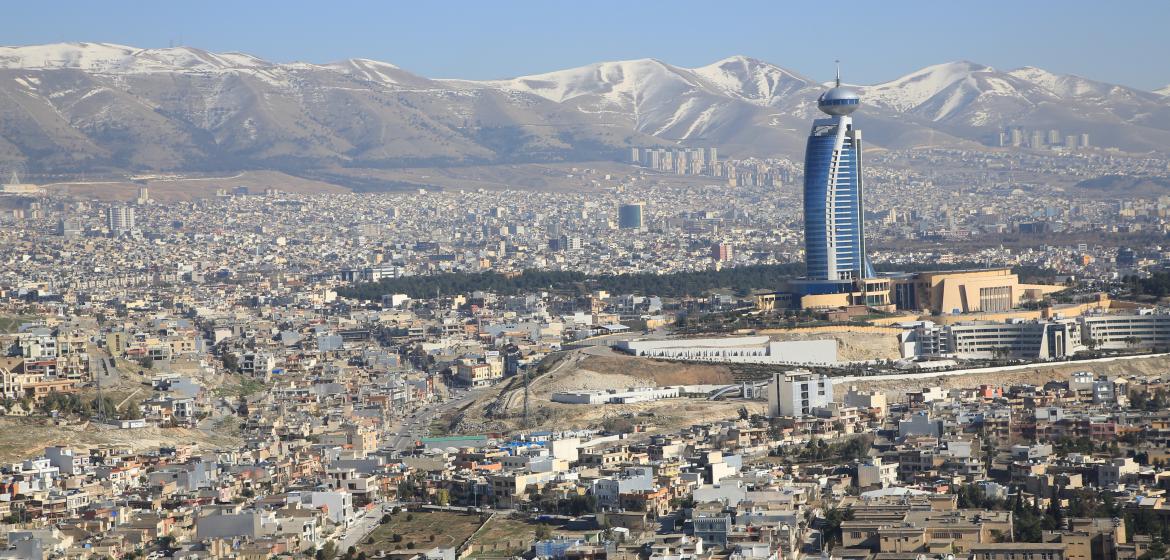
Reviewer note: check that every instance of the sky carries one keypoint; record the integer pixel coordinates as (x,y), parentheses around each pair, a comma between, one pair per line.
(1122,42)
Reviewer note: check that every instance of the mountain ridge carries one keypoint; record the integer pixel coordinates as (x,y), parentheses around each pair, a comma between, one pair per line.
(95,106)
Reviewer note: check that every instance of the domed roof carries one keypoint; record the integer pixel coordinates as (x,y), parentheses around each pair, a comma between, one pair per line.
(840,100)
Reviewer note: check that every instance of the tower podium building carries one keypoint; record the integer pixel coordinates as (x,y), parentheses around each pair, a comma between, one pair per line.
(839,274)
(834,231)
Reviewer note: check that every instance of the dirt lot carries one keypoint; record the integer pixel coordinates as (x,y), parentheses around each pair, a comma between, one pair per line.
(548,177)
(851,346)
(504,410)
(896,389)
(500,537)
(422,529)
(188,188)
(21,438)
(646,372)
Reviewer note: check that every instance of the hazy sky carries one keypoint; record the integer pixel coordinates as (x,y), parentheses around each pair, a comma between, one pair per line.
(1118,42)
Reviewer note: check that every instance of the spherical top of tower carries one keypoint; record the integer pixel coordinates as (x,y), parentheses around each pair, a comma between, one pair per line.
(840,100)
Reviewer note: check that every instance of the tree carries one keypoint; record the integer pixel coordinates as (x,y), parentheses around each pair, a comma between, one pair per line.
(543,532)
(832,526)
(327,552)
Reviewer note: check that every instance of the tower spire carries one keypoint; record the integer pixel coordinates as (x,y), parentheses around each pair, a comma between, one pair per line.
(838,72)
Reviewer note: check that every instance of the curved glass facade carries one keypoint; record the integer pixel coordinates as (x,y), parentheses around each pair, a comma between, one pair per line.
(834,234)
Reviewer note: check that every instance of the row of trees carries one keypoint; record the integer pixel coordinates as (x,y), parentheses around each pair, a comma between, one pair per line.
(72,404)
(1157,285)
(741,279)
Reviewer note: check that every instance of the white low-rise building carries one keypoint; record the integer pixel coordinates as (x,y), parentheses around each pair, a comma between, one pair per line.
(742,349)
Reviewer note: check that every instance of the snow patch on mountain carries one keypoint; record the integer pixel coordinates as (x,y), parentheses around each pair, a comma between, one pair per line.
(622,82)
(752,80)
(914,89)
(115,59)
(1063,85)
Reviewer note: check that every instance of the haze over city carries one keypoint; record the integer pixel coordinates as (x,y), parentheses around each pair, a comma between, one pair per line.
(584,281)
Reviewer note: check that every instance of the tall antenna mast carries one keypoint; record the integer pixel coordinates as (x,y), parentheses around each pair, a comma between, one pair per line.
(838,72)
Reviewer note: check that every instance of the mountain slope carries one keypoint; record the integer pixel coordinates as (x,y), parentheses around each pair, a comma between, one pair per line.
(745,106)
(976,101)
(88,106)
(94,107)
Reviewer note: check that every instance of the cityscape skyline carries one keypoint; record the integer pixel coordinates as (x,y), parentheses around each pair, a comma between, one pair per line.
(253,309)
(1082,38)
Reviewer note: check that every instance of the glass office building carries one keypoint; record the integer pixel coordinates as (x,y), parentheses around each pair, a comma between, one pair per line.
(834,233)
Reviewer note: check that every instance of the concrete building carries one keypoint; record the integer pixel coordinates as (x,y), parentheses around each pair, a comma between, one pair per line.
(745,349)
(120,219)
(965,291)
(797,393)
(986,339)
(631,216)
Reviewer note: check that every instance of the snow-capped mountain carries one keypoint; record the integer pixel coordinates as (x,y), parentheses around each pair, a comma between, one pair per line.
(96,106)
(89,106)
(701,104)
(119,59)
(973,101)
(1163,90)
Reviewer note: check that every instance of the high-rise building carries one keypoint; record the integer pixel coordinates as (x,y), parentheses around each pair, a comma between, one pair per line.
(630,216)
(834,234)
(70,228)
(721,252)
(1017,137)
(120,219)
(1037,140)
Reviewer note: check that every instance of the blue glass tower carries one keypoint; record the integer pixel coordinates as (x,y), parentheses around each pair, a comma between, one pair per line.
(834,232)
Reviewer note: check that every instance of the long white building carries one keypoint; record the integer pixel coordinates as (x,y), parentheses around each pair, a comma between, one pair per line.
(741,349)
(1036,339)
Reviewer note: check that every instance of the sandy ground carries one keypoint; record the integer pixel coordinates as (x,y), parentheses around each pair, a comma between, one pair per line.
(548,177)
(896,389)
(851,346)
(188,188)
(504,410)
(21,438)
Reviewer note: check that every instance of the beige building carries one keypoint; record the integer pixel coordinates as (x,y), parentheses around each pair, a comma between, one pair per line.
(1018,551)
(966,291)
(477,375)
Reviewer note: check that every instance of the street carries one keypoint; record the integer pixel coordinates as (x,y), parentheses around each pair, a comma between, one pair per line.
(417,424)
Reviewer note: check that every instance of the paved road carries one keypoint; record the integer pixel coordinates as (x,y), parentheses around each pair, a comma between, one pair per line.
(418,424)
(362,527)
